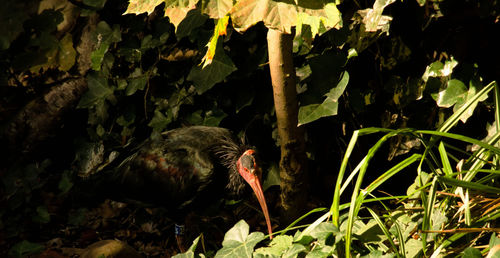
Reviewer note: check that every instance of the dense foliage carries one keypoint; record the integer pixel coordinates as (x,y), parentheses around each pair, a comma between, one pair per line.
(81,81)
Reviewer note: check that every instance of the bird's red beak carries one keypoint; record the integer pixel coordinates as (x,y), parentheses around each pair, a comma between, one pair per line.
(253,179)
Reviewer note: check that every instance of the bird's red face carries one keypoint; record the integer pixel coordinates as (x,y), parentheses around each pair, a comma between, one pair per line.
(250,171)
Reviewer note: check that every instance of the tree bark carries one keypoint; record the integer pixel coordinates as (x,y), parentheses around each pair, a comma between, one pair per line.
(293,159)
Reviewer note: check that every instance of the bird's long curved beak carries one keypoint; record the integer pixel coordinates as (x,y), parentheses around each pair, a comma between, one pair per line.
(254,182)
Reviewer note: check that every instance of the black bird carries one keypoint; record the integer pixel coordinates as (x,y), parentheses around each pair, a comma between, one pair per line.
(184,169)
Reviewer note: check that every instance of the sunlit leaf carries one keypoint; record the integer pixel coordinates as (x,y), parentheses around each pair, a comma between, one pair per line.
(283,15)
(456,91)
(277,246)
(220,30)
(238,243)
(142,6)
(176,10)
(216,9)
(373,18)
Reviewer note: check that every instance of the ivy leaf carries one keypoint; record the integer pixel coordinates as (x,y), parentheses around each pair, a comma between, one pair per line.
(218,70)
(455,91)
(294,251)
(373,18)
(277,246)
(190,252)
(42,215)
(67,54)
(193,20)
(474,86)
(159,121)
(471,252)
(329,107)
(324,230)
(438,69)
(214,117)
(25,248)
(137,83)
(65,183)
(98,4)
(12,15)
(98,90)
(238,243)
(105,35)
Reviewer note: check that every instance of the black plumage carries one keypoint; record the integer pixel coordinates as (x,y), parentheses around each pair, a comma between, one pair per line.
(184,169)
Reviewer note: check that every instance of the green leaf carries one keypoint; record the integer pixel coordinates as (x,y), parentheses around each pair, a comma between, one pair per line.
(77,217)
(98,4)
(323,230)
(329,106)
(105,36)
(193,20)
(374,20)
(277,246)
(494,241)
(97,56)
(474,87)
(205,78)
(454,92)
(159,121)
(273,177)
(98,91)
(42,215)
(25,248)
(65,183)
(377,254)
(238,243)
(294,251)
(471,252)
(314,112)
(12,16)
(138,82)
(190,252)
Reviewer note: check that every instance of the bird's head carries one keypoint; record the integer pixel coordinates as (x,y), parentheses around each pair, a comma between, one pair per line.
(251,172)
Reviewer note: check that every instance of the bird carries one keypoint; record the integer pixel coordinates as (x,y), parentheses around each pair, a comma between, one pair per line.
(183,169)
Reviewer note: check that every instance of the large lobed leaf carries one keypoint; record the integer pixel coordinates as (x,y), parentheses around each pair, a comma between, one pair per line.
(283,15)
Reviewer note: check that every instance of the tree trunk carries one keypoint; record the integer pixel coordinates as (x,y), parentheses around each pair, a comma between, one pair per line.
(293,160)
